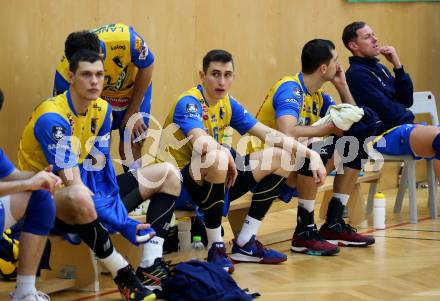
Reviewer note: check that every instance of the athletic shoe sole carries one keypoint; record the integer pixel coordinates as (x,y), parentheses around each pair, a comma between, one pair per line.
(307,251)
(345,243)
(238,257)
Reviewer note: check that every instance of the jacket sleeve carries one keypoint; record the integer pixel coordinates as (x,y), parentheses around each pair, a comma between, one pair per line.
(367,91)
(404,87)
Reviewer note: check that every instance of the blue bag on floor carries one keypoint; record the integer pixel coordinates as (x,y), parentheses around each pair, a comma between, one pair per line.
(203,281)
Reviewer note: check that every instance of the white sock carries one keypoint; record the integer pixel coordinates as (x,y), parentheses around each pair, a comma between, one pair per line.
(152,249)
(9,219)
(114,262)
(25,286)
(250,227)
(309,205)
(343,198)
(214,235)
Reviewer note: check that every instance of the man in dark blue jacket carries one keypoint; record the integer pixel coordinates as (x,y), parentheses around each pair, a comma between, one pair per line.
(373,85)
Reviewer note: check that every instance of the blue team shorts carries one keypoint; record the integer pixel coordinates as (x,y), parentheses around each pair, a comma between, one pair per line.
(118,116)
(396,141)
(2,214)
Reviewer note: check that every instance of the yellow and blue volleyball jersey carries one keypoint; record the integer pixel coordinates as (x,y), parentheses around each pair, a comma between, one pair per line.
(289,96)
(57,135)
(190,111)
(124,52)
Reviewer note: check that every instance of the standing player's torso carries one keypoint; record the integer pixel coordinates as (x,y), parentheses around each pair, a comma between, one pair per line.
(120,73)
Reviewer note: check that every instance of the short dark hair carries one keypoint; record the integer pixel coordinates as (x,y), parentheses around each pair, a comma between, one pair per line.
(83,55)
(349,34)
(216,55)
(315,53)
(1,98)
(80,40)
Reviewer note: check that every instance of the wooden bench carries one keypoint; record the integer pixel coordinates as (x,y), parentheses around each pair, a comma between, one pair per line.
(78,263)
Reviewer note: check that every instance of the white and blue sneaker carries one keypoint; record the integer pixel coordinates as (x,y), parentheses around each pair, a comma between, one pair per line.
(254,251)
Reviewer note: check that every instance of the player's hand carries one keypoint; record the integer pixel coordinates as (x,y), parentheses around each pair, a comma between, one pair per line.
(335,130)
(318,168)
(232,173)
(390,53)
(144,233)
(46,180)
(339,78)
(138,128)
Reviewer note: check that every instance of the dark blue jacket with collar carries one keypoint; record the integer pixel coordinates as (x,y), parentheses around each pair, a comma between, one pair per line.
(372,85)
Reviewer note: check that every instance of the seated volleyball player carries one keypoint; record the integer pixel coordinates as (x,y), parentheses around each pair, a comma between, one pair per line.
(292,105)
(27,194)
(212,174)
(373,85)
(72,132)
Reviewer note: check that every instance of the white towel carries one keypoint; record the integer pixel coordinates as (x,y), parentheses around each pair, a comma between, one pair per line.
(342,116)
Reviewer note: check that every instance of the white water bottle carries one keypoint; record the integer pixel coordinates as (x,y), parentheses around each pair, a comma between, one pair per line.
(184,233)
(379,211)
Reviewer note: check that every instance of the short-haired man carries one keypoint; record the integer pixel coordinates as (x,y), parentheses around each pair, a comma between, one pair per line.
(128,65)
(72,132)
(27,195)
(202,114)
(373,85)
(292,105)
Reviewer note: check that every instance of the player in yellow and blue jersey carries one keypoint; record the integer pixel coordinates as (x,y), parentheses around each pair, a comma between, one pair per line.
(128,65)
(292,105)
(72,132)
(26,195)
(213,174)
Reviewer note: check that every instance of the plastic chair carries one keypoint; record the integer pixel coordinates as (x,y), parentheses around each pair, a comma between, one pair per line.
(424,102)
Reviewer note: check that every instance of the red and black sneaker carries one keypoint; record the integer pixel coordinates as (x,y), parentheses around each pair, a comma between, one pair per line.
(306,240)
(343,234)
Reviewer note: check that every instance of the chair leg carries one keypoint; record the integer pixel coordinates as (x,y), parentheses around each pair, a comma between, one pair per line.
(432,184)
(411,172)
(371,192)
(403,184)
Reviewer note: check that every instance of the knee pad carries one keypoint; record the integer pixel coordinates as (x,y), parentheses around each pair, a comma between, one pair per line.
(436,146)
(269,187)
(40,213)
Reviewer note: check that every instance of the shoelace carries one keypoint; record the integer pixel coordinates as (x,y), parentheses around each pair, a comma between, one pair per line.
(347,227)
(260,246)
(313,233)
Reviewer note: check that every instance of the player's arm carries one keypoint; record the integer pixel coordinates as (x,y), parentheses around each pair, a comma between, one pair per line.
(287,124)
(287,102)
(41,180)
(141,84)
(54,135)
(143,59)
(291,145)
(188,116)
(340,83)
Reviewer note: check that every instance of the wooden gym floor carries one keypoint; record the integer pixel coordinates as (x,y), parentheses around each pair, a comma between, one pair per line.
(403,264)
